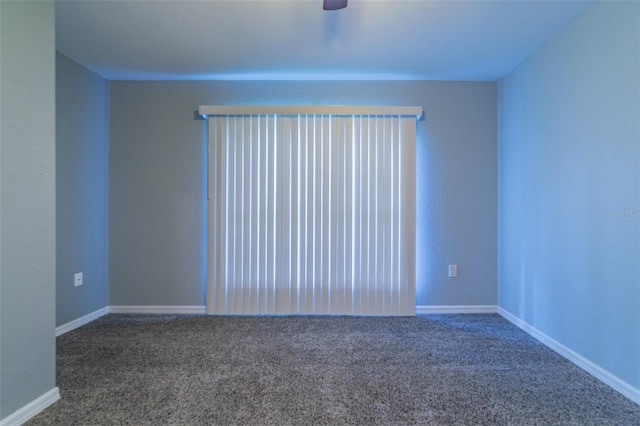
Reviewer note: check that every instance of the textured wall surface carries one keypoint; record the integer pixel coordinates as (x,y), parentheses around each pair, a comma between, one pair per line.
(157,182)
(569,189)
(82,191)
(27,203)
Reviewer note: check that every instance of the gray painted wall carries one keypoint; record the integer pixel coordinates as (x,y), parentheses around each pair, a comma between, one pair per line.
(27,203)
(569,189)
(82,191)
(157,182)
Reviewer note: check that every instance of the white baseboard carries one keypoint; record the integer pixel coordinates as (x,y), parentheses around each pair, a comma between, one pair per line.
(156,309)
(127,309)
(456,309)
(32,409)
(72,325)
(595,370)
(197,309)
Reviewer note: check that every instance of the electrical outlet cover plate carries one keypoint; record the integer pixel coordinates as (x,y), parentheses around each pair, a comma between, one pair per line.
(453,271)
(77,279)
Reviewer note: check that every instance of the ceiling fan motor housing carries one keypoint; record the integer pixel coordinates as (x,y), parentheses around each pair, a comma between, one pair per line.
(334,4)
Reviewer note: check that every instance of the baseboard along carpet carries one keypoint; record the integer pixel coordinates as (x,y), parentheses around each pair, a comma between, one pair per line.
(472,369)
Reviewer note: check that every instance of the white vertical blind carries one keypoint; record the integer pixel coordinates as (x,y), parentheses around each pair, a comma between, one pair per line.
(311,214)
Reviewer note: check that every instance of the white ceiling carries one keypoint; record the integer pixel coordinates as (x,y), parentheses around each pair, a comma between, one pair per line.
(296,39)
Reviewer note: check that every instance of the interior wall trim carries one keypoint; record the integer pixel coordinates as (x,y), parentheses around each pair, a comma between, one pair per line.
(128,309)
(156,309)
(79,322)
(590,367)
(215,110)
(32,409)
(456,309)
(197,309)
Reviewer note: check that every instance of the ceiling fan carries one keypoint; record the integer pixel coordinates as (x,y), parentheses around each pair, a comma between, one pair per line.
(334,4)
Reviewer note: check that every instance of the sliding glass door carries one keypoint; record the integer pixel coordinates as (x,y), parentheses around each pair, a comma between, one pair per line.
(311,213)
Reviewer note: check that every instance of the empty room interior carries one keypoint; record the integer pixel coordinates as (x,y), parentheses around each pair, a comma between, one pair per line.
(265,212)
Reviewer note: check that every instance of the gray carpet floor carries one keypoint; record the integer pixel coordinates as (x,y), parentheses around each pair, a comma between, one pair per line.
(425,370)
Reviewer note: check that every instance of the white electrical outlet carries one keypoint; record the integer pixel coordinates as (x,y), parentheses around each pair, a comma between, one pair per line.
(77,279)
(453,271)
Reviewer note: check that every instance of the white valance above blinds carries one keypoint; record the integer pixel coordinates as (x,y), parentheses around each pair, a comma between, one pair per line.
(221,110)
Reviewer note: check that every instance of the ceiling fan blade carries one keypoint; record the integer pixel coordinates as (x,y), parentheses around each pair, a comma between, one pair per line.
(334,4)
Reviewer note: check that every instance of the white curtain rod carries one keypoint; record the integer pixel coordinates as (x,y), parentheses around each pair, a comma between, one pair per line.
(214,110)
